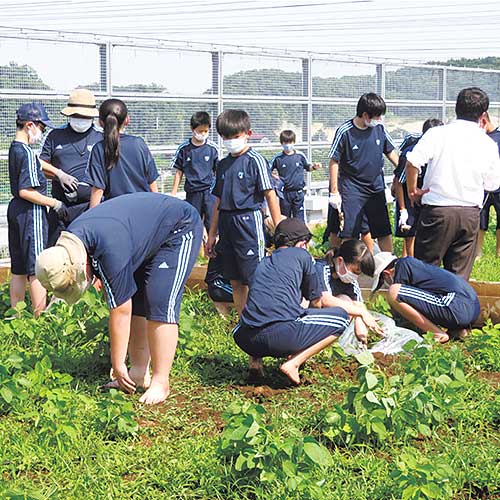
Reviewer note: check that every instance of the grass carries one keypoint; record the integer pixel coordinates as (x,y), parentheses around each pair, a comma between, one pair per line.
(61,438)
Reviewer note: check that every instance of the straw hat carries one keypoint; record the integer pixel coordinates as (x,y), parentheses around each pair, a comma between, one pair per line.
(61,269)
(81,102)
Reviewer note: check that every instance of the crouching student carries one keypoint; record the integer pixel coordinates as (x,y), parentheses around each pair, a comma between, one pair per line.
(142,246)
(338,275)
(273,322)
(429,297)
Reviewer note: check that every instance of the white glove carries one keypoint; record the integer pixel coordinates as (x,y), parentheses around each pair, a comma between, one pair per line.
(58,206)
(68,182)
(403,220)
(335,201)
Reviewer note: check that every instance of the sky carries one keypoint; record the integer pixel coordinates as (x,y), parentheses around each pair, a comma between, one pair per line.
(416,30)
(409,30)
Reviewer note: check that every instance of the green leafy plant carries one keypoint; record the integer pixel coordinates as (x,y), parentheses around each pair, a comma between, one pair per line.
(400,407)
(257,452)
(420,478)
(484,347)
(115,416)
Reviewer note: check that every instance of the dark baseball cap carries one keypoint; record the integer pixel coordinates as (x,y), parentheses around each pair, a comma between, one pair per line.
(34,112)
(290,231)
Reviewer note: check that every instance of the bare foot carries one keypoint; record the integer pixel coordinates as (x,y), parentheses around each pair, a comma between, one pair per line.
(157,393)
(441,337)
(291,370)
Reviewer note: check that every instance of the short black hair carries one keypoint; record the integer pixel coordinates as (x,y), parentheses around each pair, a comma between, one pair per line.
(287,136)
(232,122)
(354,252)
(471,103)
(430,123)
(20,123)
(372,104)
(200,118)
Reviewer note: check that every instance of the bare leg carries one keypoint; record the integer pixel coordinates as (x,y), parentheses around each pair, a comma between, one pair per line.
(385,243)
(415,317)
(479,243)
(410,245)
(138,352)
(38,296)
(335,241)
(368,241)
(17,289)
(162,338)
(240,296)
(291,367)
(498,242)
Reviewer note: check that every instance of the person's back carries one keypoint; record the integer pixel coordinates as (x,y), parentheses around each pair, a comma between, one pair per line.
(283,277)
(134,171)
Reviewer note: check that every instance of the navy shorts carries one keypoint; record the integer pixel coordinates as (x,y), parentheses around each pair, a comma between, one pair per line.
(28,233)
(284,338)
(241,243)
(449,310)
(220,291)
(490,200)
(333,224)
(292,204)
(373,206)
(413,216)
(204,202)
(160,281)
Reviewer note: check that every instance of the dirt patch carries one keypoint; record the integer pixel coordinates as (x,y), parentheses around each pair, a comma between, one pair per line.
(199,411)
(492,378)
(344,372)
(258,392)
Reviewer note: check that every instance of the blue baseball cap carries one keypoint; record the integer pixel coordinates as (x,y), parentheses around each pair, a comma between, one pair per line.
(34,112)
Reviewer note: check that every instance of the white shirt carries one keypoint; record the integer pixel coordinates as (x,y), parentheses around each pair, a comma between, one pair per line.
(462,163)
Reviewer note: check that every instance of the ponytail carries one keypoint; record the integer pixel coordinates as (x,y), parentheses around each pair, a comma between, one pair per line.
(112,114)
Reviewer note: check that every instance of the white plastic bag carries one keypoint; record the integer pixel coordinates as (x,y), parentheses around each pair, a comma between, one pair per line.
(394,341)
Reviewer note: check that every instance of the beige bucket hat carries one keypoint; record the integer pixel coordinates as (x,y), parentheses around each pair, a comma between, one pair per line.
(61,269)
(81,102)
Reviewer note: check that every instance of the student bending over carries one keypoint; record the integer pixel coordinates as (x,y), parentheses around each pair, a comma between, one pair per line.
(429,297)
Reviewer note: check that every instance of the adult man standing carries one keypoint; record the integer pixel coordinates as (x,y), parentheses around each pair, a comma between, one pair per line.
(357,186)
(462,163)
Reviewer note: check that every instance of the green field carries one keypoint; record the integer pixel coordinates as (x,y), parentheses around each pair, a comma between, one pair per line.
(412,426)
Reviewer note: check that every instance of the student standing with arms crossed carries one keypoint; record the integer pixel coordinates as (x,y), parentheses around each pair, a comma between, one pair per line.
(357,188)
(120,163)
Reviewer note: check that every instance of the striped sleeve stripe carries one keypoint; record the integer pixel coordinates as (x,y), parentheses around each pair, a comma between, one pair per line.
(326,277)
(177,152)
(305,157)
(236,328)
(430,298)
(408,138)
(107,287)
(357,291)
(180,274)
(389,138)
(338,136)
(263,167)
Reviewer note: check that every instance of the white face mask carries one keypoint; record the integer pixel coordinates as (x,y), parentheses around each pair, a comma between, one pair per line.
(80,125)
(34,137)
(373,123)
(200,137)
(235,146)
(288,147)
(348,277)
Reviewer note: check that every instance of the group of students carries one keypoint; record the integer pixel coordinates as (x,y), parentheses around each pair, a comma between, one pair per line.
(140,246)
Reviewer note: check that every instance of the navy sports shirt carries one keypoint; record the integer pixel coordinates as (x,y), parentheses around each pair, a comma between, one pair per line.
(123,233)
(68,150)
(198,163)
(360,154)
(291,169)
(409,142)
(25,170)
(240,181)
(133,173)
(334,285)
(414,272)
(495,135)
(278,285)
